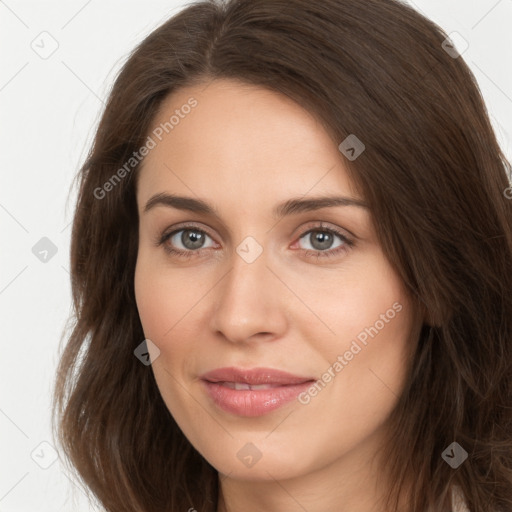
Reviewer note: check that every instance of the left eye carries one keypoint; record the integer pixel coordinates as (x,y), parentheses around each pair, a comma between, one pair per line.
(322,239)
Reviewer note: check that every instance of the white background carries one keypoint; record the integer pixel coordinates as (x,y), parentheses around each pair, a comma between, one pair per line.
(49,110)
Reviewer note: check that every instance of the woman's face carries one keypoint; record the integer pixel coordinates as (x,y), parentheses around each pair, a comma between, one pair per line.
(265,280)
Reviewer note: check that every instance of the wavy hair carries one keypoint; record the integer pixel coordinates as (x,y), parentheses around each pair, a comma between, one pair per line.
(434,177)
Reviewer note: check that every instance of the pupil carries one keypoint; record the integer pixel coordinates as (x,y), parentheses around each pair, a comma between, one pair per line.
(194,237)
(323,238)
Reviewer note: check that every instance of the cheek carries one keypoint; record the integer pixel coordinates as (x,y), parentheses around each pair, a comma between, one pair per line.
(160,310)
(366,303)
(370,352)
(164,297)
(151,302)
(168,309)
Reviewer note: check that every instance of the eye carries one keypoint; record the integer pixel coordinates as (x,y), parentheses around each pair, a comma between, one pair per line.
(190,238)
(321,239)
(188,241)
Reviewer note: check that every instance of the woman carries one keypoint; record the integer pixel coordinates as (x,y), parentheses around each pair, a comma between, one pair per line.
(217,363)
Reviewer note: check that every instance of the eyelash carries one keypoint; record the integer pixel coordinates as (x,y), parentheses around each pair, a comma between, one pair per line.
(330,253)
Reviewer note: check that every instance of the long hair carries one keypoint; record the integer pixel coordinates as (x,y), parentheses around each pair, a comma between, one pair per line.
(434,177)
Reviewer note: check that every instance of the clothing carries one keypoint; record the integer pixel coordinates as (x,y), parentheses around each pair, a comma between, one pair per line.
(458,501)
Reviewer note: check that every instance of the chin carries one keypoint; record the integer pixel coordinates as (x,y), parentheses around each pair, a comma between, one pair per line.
(262,461)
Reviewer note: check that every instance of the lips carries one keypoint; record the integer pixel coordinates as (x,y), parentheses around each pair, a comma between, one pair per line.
(242,385)
(252,392)
(255,377)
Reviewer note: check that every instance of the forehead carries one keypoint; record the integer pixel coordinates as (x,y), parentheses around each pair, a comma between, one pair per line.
(227,137)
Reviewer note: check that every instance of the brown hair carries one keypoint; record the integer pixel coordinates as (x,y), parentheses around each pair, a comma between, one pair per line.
(433,175)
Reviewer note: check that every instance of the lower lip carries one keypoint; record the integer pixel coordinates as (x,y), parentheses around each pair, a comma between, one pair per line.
(250,402)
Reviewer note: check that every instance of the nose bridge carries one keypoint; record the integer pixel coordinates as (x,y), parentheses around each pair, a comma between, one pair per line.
(247,299)
(248,273)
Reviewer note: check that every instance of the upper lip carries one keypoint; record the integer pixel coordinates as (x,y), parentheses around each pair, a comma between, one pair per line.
(254,376)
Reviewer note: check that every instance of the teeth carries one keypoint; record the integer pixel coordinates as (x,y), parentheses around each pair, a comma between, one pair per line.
(263,386)
(243,386)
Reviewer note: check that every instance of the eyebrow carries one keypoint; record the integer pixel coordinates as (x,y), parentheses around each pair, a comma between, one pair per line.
(289,207)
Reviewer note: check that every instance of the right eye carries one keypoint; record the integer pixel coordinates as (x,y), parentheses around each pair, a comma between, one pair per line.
(191,239)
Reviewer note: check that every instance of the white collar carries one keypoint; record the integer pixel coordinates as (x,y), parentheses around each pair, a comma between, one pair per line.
(458,501)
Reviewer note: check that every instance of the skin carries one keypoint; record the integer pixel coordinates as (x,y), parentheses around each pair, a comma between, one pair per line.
(245,149)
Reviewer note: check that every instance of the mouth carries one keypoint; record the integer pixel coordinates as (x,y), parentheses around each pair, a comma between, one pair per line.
(254,377)
(252,392)
(242,385)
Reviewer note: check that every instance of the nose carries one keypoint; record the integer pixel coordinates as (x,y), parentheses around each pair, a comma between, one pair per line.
(249,302)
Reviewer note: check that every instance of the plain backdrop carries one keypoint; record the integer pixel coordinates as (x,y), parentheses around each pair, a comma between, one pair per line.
(58,60)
